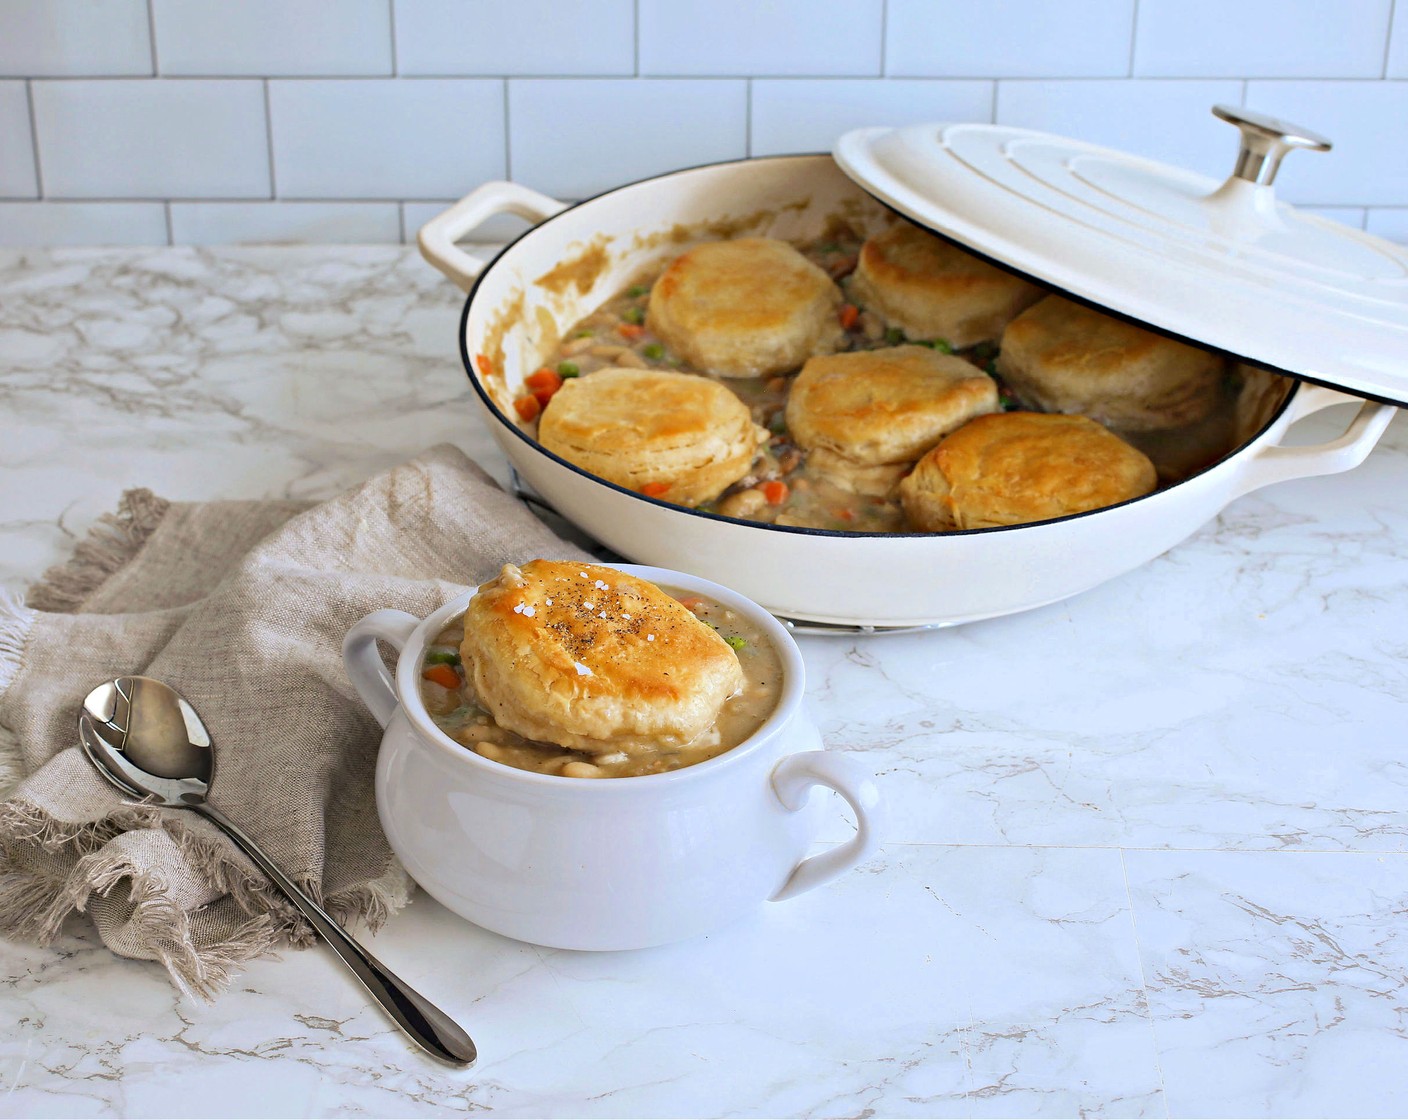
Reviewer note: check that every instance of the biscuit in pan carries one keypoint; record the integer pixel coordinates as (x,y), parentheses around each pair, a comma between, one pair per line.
(589,657)
(676,436)
(750,307)
(931,289)
(1012,468)
(1060,356)
(863,417)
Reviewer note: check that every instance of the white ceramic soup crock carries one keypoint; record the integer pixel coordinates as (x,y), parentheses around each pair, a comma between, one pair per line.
(576,257)
(606,863)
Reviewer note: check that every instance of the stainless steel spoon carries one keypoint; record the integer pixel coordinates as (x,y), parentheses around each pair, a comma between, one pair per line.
(149,742)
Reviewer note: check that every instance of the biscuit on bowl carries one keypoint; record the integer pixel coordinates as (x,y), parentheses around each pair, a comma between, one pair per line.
(675,436)
(657,674)
(1060,356)
(864,417)
(1011,468)
(931,289)
(751,307)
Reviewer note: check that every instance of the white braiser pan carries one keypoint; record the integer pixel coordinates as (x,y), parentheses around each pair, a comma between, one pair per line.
(1224,265)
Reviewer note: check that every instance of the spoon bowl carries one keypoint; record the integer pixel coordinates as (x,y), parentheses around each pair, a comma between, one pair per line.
(150,743)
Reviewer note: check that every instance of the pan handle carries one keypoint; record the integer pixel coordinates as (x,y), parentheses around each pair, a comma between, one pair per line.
(1281,464)
(438,236)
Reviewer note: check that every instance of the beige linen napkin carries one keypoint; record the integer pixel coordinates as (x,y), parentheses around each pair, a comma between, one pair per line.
(242,607)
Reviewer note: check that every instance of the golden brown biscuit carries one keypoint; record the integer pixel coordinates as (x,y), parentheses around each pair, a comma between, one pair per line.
(675,436)
(588,657)
(930,288)
(864,417)
(751,307)
(1060,356)
(1014,467)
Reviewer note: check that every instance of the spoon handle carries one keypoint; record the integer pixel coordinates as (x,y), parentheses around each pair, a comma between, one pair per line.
(430,1027)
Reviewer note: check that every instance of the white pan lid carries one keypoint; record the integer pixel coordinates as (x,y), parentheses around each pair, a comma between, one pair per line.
(1224,265)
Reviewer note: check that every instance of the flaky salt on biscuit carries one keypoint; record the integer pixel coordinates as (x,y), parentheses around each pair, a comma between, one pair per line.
(676,436)
(932,289)
(591,658)
(1012,468)
(1061,356)
(751,307)
(865,417)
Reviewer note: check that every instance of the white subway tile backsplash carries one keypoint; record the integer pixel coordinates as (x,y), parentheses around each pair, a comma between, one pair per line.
(17,174)
(808,115)
(74,38)
(1368,165)
(245,223)
(1164,120)
(261,38)
(350,120)
(24,224)
(560,129)
(152,139)
(746,38)
(1388,221)
(412,138)
(1261,38)
(527,37)
(1008,38)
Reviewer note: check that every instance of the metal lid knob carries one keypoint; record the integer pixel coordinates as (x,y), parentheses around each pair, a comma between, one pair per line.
(1265,142)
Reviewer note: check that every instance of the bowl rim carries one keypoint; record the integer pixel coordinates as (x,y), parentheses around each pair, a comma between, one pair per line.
(785,712)
(505,422)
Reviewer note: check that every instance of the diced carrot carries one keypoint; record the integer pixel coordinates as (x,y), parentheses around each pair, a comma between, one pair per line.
(544,380)
(527,407)
(846,514)
(442,675)
(849,315)
(775,492)
(692,602)
(486,367)
(630,330)
(655,489)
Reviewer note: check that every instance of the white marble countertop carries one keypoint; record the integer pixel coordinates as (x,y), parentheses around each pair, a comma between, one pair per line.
(1146,848)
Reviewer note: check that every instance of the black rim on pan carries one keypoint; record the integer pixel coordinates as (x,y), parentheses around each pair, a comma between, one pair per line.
(800,530)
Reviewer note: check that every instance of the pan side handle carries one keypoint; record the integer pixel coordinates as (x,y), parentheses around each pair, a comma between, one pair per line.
(438,236)
(1281,464)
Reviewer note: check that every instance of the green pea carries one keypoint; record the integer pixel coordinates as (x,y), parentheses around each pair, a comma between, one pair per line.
(736,642)
(894,336)
(634,315)
(442,657)
(635,291)
(942,345)
(585,333)
(568,369)
(654,351)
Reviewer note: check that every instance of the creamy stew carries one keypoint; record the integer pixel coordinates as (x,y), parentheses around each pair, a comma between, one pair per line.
(779,488)
(455,710)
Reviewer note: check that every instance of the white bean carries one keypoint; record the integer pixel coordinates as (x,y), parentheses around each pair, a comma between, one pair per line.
(489,750)
(576,769)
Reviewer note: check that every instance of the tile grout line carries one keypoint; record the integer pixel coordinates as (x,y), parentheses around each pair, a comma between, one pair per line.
(1133,38)
(391,27)
(269,140)
(151,38)
(34,138)
(1388,39)
(1144,982)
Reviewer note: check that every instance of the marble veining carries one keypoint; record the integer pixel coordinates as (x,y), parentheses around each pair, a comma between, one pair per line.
(1146,852)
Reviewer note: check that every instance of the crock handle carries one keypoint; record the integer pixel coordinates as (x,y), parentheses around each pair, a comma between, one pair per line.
(365,668)
(438,236)
(792,781)
(1281,464)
